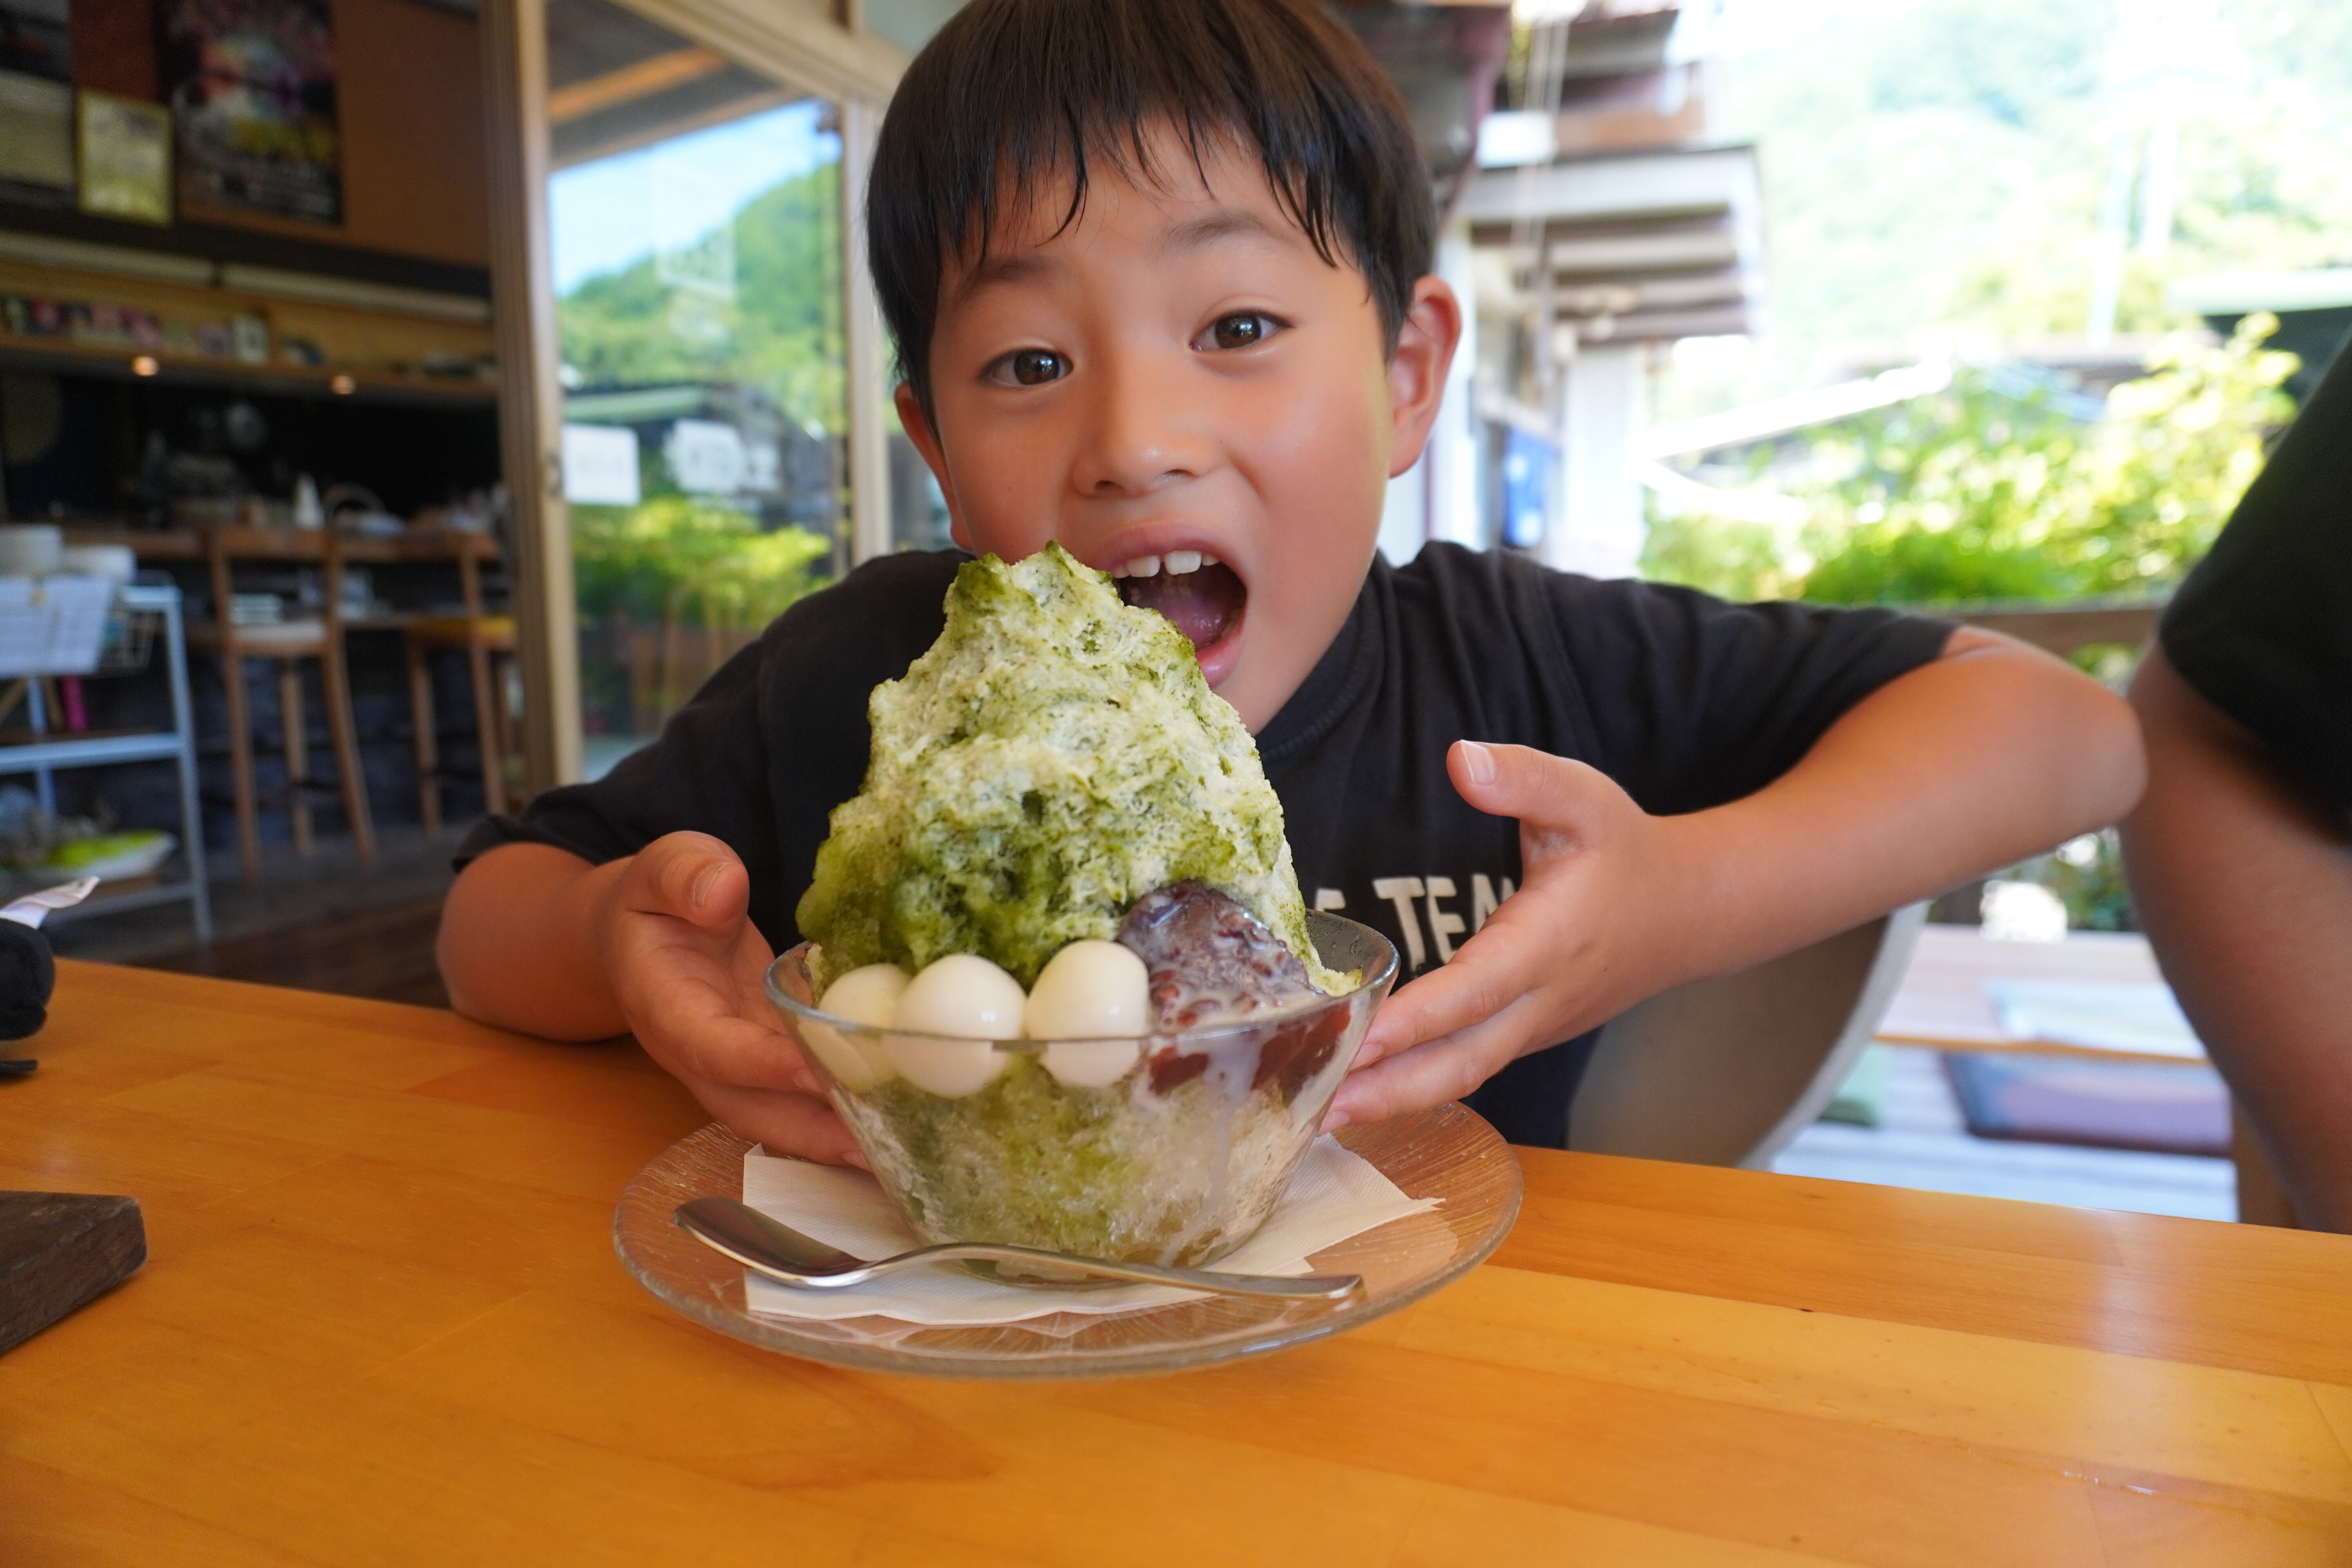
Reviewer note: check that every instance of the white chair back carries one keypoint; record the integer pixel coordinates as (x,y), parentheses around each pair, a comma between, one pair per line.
(1728,1072)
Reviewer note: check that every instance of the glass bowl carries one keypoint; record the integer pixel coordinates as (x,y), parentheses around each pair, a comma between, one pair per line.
(1444,1153)
(1167,1148)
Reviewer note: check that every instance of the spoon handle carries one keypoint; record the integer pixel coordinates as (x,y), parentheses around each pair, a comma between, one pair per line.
(1297,1287)
(783,1254)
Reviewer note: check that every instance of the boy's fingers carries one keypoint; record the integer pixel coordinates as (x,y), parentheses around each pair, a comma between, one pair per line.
(1520,782)
(1429,1074)
(738,1052)
(799,1124)
(1486,976)
(692,1023)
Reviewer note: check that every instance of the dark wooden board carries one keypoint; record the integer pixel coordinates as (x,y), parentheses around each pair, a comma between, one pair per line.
(59,1250)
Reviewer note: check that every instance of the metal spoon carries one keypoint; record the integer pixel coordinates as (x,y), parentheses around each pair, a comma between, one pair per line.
(780,1252)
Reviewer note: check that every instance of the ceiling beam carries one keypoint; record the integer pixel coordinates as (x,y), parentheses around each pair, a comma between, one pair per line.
(796,43)
(655,73)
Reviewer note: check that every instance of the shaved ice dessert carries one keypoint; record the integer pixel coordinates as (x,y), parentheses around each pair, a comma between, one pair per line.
(1059,973)
(1053,757)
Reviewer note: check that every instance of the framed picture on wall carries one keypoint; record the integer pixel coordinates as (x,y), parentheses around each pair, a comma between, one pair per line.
(251,85)
(126,158)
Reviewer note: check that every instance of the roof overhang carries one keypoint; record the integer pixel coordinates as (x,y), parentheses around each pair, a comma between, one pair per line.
(1647,245)
(2237,293)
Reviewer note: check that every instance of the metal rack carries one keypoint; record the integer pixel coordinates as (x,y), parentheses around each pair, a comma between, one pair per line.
(43,757)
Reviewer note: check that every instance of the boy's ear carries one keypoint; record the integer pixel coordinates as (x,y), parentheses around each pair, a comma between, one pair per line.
(1425,352)
(918,426)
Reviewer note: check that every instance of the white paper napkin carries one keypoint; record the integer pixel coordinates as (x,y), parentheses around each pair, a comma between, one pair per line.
(34,907)
(1335,1195)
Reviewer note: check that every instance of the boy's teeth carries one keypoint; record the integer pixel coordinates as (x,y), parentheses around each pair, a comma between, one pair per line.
(1178,563)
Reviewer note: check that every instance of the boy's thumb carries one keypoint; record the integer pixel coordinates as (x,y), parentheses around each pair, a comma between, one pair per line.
(1515,781)
(695,876)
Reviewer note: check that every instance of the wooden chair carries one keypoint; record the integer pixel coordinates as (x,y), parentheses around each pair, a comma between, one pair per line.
(286,644)
(1728,1072)
(488,643)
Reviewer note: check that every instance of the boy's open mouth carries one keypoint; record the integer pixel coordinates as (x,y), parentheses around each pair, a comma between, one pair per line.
(1202,597)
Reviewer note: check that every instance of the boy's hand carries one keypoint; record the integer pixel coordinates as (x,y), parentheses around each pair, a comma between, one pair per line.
(1570,951)
(1988,754)
(686,963)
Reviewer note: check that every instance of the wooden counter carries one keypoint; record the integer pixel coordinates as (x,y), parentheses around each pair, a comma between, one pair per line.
(160,545)
(382,1323)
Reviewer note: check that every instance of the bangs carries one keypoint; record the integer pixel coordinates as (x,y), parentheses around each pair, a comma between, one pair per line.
(1014,96)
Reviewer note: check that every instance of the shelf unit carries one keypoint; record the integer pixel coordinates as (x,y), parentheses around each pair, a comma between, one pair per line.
(178,745)
(118,363)
(268,328)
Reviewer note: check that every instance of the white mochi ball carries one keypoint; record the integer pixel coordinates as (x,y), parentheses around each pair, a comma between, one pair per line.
(1090,1064)
(867,995)
(965,997)
(1090,991)
(1089,995)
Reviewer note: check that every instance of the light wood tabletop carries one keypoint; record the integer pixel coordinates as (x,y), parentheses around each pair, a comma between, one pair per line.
(382,1323)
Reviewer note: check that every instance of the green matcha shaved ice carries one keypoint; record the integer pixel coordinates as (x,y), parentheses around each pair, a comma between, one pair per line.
(1102,1173)
(1055,756)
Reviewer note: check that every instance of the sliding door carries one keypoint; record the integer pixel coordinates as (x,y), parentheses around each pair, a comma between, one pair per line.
(694,239)
(694,399)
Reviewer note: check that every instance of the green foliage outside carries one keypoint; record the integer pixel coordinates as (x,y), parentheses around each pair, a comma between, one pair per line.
(781,332)
(681,561)
(1935,171)
(1978,494)
(2087,875)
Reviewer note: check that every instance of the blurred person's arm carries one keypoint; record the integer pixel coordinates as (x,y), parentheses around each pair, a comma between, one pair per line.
(2243,882)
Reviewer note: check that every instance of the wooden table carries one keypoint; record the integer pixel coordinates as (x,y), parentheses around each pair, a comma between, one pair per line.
(383,1325)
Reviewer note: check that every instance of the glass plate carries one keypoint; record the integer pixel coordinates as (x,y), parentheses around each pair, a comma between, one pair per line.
(1447,1153)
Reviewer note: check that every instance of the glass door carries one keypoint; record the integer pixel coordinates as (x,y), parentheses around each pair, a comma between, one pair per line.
(695,232)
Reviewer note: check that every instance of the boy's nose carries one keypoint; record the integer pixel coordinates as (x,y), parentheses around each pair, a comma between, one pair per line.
(1145,428)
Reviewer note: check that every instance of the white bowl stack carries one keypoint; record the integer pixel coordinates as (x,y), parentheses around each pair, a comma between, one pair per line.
(31,550)
(55,602)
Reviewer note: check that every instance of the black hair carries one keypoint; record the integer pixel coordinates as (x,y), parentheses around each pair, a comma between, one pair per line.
(1014,92)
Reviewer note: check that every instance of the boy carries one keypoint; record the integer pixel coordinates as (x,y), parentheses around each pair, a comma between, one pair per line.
(1158,272)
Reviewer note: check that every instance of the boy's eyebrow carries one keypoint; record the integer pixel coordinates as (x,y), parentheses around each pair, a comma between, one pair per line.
(1019,266)
(1194,233)
(1005,267)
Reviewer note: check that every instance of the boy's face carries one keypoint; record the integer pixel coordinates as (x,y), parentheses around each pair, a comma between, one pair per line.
(1184,395)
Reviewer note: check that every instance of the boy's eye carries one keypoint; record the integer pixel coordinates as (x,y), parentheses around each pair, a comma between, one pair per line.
(1242,329)
(1029,367)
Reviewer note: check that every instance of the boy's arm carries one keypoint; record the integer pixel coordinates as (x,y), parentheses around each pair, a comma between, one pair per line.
(1988,754)
(518,945)
(656,944)
(2243,881)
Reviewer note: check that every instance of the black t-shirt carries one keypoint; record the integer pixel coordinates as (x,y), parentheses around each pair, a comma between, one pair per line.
(2262,627)
(1687,702)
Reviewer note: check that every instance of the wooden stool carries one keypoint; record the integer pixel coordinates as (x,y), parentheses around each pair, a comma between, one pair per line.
(288,643)
(488,644)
